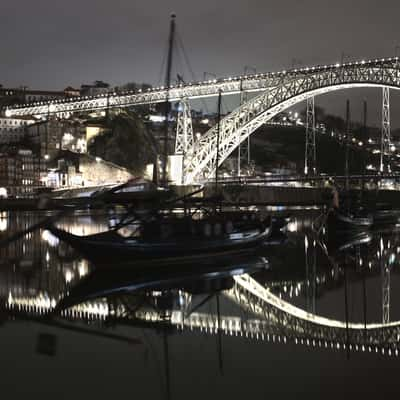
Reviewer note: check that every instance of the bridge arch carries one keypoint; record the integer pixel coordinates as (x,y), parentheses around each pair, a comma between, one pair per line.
(292,89)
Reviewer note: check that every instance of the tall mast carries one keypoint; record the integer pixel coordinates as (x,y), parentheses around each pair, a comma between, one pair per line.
(346,168)
(164,180)
(364,163)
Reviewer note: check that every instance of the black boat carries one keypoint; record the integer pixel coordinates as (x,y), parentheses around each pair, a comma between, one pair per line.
(171,239)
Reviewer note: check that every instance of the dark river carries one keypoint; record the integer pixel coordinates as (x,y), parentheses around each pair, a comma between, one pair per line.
(305,317)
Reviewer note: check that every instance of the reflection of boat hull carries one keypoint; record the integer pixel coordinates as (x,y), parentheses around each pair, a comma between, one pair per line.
(119,279)
(340,243)
(338,221)
(386,217)
(103,247)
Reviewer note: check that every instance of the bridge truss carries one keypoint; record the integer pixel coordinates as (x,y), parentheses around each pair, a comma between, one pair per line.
(279,91)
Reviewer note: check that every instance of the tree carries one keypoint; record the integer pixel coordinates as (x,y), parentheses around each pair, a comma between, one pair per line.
(128,143)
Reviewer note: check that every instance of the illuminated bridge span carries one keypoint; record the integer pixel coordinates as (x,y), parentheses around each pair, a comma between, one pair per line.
(366,71)
(292,88)
(279,91)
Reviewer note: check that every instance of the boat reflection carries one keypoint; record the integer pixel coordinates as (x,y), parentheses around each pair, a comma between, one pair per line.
(273,301)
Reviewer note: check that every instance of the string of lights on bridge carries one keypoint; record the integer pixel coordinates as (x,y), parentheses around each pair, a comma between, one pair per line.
(213,81)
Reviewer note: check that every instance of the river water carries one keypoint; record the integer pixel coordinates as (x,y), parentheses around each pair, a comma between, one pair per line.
(305,316)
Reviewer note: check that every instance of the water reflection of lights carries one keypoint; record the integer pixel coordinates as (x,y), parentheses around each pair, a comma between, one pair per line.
(49,238)
(43,302)
(292,226)
(83,268)
(3,224)
(3,221)
(69,276)
(254,329)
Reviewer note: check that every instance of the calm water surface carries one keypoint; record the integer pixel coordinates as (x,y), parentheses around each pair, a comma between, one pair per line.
(306,316)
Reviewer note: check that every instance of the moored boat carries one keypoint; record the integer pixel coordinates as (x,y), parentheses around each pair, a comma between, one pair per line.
(171,239)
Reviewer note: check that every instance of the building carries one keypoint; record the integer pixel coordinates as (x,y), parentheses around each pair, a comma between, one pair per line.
(98,87)
(19,173)
(25,95)
(12,130)
(71,169)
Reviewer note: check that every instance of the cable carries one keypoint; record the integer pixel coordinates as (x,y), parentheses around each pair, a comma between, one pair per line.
(160,75)
(186,58)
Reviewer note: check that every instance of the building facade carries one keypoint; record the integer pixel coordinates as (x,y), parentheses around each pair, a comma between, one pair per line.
(20,173)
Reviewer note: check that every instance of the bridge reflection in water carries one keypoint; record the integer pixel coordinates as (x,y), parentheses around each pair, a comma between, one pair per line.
(254,302)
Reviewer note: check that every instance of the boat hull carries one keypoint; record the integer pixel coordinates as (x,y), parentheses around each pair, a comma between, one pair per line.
(105,247)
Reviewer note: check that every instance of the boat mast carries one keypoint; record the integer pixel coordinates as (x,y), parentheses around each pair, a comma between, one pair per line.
(218,138)
(346,168)
(164,181)
(364,163)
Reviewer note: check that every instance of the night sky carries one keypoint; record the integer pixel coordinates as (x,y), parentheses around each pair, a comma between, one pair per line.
(50,45)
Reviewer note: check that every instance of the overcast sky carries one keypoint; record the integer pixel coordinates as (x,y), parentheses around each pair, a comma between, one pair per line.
(52,44)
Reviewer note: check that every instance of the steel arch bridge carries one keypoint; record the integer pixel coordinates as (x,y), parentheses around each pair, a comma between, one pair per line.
(279,91)
(292,88)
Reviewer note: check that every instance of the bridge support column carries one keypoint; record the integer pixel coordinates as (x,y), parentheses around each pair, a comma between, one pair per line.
(385,137)
(310,160)
(244,147)
(184,141)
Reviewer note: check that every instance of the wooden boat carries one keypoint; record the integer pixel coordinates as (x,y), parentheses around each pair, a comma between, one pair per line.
(171,240)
